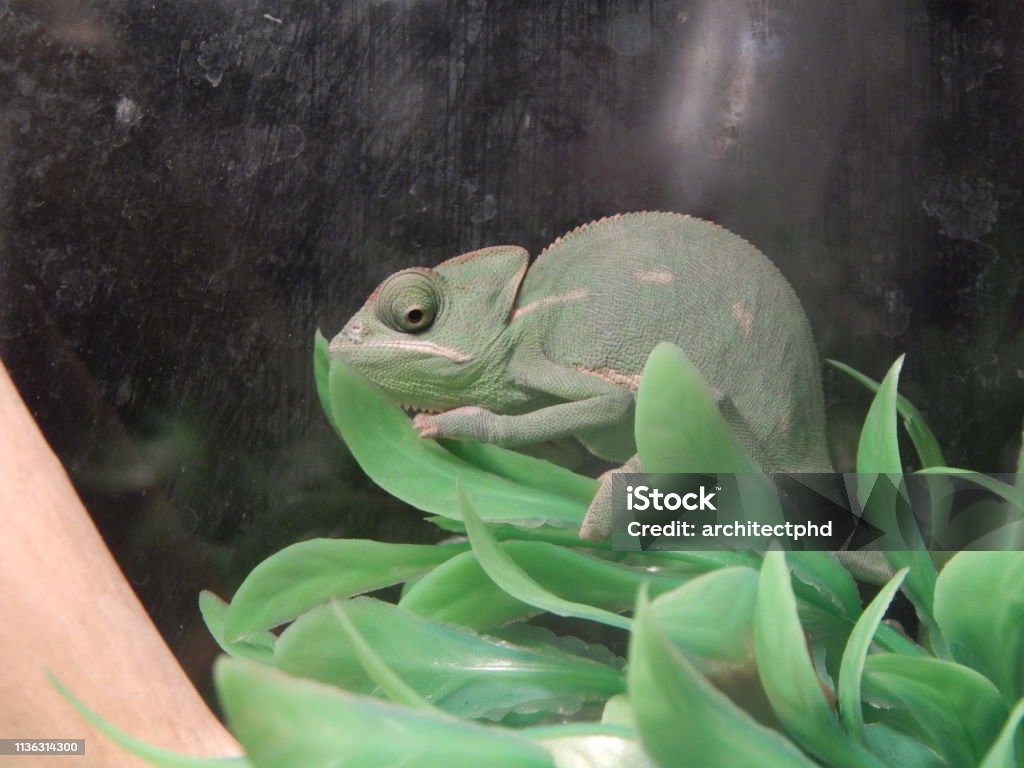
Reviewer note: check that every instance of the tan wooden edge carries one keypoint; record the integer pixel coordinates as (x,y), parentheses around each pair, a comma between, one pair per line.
(65,606)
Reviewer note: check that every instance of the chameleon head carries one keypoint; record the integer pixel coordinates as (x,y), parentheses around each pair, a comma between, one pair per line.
(426,336)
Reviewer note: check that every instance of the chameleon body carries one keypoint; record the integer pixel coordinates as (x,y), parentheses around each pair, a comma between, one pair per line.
(489,348)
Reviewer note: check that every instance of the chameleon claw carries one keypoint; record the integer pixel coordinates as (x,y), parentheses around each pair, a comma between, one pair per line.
(426,425)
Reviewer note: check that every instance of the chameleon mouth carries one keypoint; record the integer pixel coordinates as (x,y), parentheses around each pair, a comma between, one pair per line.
(427,347)
(412,410)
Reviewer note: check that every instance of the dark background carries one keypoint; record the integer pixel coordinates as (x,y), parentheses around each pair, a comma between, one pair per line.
(190,188)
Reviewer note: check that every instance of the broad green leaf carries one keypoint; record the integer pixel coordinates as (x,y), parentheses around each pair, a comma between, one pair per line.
(897,750)
(979,603)
(258,646)
(525,470)
(719,644)
(452,668)
(504,572)
(460,592)
(309,573)
(541,638)
(831,585)
(156,756)
(925,444)
(691,616)
(389,683)
(949,707)
(788,675)
(1001,755)
(683,720)
(422,473)
(679,427)
(284,722)
(857,647)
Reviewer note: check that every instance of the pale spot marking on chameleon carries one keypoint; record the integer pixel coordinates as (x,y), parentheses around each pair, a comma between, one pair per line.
(423,346)
(658,276)
(576,295)
(743,316)
(618,378)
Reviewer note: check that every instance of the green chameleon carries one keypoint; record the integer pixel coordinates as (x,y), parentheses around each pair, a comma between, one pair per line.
(489,348)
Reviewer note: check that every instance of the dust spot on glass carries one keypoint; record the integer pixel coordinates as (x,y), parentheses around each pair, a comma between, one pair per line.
(127,112)
(485,210)
(291,142)
(629,34)
(77,287)
(981,53)
(897,313)
(965,208)
(211,61)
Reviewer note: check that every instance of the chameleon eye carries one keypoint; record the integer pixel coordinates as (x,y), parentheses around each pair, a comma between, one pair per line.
(409,301)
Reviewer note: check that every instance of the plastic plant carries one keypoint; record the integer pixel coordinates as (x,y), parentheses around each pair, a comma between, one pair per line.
(733,659)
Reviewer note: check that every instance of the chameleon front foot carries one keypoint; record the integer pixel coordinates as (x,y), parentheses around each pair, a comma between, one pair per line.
(597,525)
(466,423)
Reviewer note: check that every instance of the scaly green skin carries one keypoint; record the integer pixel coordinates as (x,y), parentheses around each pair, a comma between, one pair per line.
(515,357)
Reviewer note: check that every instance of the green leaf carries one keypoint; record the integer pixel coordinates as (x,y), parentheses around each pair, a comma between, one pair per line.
(679,427)
(788,675)
(878,453)
(321,373)
(856,652)
(925,444)
(161,758)
(979,603)
(422,473)
(1013,494)
(375,667)
(1002,753)
(1006,530)
(683,720)
(284,722)
(562,536)
(523,469)
(258,646)
(459,591)
(618,711)
(897,750)
(504,572)
(597,750)
(452,668)
(829,584)
(309,573)
(949,707)
(691,616)
(878,450)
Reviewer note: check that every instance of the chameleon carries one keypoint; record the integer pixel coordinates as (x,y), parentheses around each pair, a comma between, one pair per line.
(487,347)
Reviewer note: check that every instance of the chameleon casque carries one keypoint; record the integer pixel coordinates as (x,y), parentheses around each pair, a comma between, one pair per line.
(487,347)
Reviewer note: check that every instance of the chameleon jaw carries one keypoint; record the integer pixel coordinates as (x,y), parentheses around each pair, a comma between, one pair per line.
(413,410)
